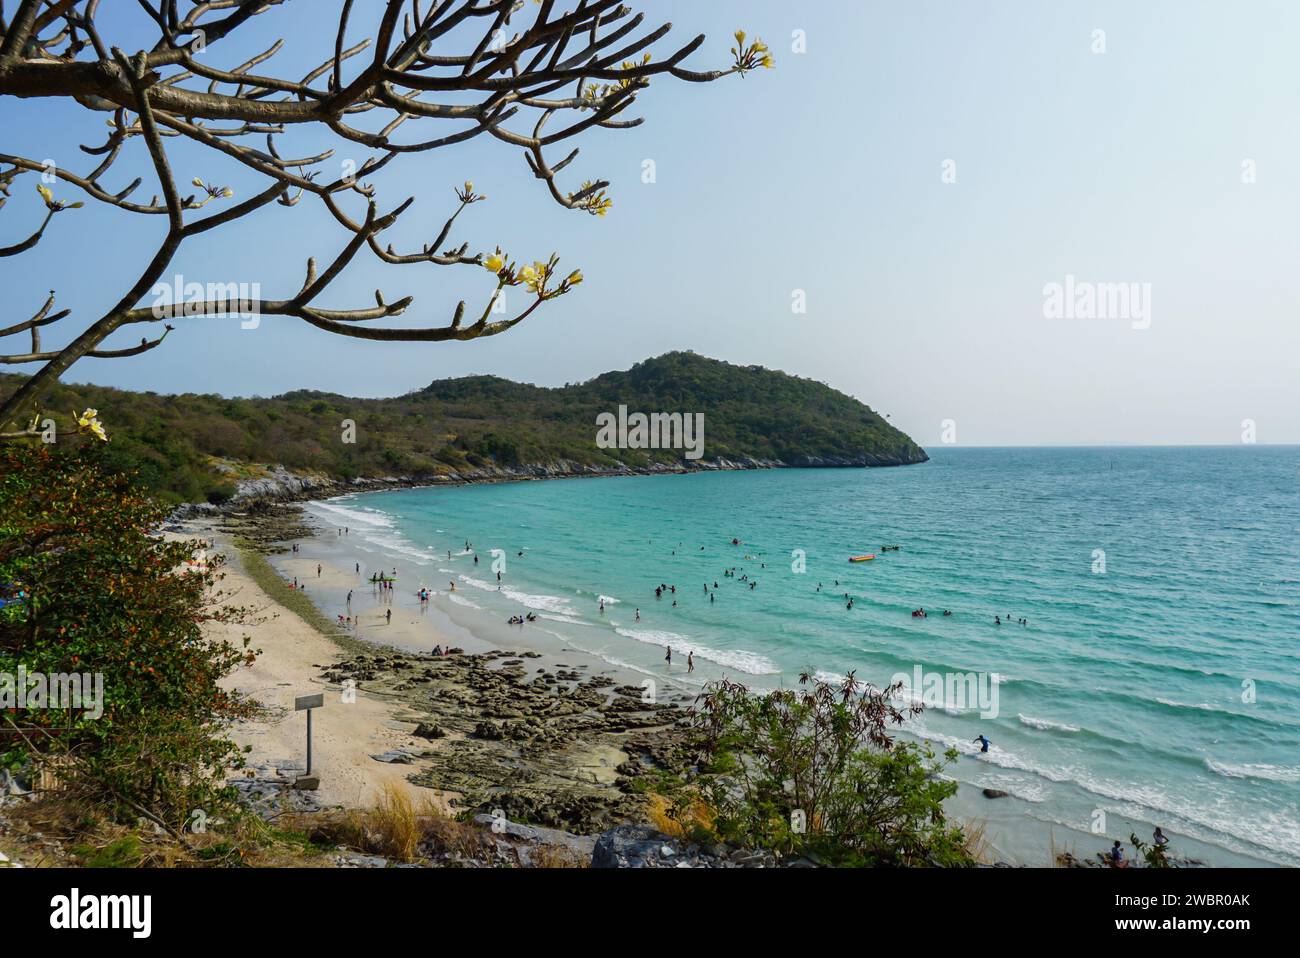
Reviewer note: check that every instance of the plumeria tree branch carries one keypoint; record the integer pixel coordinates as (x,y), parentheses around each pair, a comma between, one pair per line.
(401,77)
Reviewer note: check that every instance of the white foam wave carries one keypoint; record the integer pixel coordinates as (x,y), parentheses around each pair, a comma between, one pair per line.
(1045,725)
(1272,773)
(741,660)
(542,603)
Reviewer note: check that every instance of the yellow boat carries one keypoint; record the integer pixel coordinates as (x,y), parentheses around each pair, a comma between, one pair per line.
(865,558)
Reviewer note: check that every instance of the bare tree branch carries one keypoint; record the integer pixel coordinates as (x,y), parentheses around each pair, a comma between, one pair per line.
(407,71)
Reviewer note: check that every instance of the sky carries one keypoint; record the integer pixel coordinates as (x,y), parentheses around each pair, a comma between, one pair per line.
(917,174)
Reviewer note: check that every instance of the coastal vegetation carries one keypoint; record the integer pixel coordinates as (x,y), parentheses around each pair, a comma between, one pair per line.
(194,448)
(89,590)
(813,772)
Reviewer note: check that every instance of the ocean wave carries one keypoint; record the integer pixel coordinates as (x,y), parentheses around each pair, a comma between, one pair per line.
(361,517)
(461,600)
(1150,802)
(739,659)
(1271,773)
(561,618)
(1045,725)
(542,603)
(1203,706)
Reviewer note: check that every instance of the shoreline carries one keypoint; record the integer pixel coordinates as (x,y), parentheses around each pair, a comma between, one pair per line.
(280,486)
(554,738)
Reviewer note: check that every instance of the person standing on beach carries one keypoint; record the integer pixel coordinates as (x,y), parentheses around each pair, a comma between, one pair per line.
(388,617)
(690,661)
(318,570)
(668,657)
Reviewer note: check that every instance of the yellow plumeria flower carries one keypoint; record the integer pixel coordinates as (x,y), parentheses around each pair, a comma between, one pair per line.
(574,278)
(90,420)
(495,263)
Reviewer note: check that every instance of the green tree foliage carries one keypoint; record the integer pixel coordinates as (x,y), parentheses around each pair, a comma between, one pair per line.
(454,425)
(814,771)
(88,587)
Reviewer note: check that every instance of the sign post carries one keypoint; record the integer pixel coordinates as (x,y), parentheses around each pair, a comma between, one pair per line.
(306,703)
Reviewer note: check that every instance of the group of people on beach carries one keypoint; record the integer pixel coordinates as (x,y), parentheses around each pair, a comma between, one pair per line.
(1115,857)
(690,658)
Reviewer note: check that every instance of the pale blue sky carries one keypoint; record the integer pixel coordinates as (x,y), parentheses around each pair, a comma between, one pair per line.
(925,299)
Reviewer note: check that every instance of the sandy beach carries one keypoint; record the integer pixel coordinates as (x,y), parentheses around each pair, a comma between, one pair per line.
(549,735)
(345,734)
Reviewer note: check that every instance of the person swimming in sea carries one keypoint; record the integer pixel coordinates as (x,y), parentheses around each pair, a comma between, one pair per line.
(997,620)
(984,742)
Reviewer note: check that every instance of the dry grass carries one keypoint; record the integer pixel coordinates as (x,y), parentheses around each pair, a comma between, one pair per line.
(399,827)
(976,842)
(395,825)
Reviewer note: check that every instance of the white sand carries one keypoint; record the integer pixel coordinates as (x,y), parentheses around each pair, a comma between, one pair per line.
(344,735)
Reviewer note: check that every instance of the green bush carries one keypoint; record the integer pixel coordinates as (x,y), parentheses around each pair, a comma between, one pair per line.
(813,771)
(88,587)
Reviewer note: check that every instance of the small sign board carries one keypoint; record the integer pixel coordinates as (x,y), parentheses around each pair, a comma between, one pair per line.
(309,701)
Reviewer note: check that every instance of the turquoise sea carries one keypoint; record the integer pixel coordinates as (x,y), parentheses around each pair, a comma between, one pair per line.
(1156,680)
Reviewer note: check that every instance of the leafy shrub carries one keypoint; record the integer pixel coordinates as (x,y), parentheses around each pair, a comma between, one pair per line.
(89,587)
(814,771)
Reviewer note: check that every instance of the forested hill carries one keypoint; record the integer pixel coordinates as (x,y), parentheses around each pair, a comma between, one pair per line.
(189,447)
